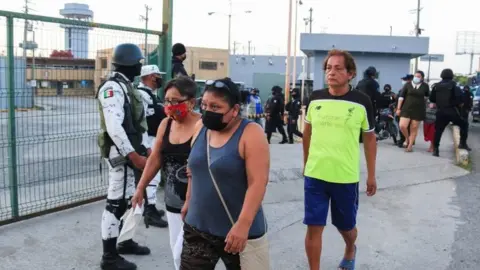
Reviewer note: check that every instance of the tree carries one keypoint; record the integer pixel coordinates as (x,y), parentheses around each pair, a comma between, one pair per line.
(461,79)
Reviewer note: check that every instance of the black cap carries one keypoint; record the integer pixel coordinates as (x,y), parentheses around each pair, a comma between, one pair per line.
(277,89)
(127,54)
(371,71)
(178,49)
(407,77)
(295,90)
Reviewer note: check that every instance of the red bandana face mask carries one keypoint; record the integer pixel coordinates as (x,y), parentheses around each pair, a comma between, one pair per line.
(177,112)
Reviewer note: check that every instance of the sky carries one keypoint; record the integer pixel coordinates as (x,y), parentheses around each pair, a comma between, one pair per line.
(266,26)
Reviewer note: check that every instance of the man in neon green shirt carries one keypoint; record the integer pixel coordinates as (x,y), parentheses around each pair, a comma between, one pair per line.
(335,117)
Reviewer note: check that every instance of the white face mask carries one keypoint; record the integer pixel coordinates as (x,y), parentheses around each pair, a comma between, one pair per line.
(404,82)
(416,80)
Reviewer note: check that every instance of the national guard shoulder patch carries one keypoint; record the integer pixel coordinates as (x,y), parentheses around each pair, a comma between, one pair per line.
(108,93)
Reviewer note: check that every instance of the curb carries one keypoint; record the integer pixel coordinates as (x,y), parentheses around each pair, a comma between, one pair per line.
(461,155)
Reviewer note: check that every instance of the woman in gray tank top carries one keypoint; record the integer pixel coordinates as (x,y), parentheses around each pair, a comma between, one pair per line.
(240,170)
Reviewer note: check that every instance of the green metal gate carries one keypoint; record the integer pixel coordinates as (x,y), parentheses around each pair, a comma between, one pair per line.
(48,115)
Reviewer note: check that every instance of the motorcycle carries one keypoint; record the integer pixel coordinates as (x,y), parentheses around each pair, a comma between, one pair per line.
(386,126)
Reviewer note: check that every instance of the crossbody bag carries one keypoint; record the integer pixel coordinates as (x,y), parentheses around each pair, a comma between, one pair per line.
(256,255)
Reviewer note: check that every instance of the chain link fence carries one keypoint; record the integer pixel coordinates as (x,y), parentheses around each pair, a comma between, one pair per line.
(50,70)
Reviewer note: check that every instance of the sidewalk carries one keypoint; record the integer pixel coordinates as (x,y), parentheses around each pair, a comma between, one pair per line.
(409,224)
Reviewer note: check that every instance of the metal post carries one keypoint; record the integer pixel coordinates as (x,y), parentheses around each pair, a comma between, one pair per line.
(428,72)
(311,19)
(289,46)
(417,31)
(229,31)
(33,57)
(167,19)
(12,144)
(294,73)
(308,57)
(472,57)
(147,9)
(25,29)
(229,26)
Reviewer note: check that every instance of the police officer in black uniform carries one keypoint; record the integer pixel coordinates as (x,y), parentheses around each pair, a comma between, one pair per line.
(275,109)
(387,97)
(447,97)
(467,98)
(179,54)
(293,108)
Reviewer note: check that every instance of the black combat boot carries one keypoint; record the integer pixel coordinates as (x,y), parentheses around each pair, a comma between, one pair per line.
(111,260)
(464,146)
(436,152)
(132,247)
(154,217)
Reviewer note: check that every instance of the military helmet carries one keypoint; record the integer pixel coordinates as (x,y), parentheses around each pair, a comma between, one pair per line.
(127,54)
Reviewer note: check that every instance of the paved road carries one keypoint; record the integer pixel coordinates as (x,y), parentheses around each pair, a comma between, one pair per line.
(57,154)
(423,217)
(466,248)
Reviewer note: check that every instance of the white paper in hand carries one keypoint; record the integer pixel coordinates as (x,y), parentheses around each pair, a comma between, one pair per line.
(131,219)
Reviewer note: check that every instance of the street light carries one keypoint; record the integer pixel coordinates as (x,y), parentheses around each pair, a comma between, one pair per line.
(229,15)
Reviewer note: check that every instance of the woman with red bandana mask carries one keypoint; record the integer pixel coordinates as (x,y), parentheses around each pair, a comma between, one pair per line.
(170,153)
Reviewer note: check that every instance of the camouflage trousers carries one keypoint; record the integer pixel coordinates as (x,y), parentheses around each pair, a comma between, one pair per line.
(202,251)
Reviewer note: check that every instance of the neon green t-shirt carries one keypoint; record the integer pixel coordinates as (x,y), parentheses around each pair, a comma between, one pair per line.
(334,153)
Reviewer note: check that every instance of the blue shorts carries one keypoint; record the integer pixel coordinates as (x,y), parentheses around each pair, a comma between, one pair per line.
(344,198)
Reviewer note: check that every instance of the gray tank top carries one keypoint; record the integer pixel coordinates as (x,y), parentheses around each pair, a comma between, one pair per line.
(205,210)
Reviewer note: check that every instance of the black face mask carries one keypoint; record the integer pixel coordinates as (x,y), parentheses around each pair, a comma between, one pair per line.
(387,89)
(159,82)
(130,71)
(213,120)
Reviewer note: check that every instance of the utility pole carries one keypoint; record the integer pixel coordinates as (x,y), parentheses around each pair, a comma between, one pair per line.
(229,26)
(25,30)
(145,18)
(249,46)
(417,31)
(289,49)
(310,20)
(294,73)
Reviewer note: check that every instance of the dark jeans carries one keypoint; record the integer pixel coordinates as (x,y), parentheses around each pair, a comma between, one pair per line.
(201,251)
(275,123)
(464,114)
(444,117)
(292,128)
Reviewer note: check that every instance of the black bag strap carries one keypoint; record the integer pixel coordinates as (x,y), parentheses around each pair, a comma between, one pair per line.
(150,94)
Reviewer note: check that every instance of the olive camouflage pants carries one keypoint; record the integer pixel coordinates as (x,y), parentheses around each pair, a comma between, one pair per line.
(201,251)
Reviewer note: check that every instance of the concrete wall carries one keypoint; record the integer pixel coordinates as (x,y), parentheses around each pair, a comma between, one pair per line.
(365,43)
(243,68)
(197,55)
(391,68)
(23,92)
